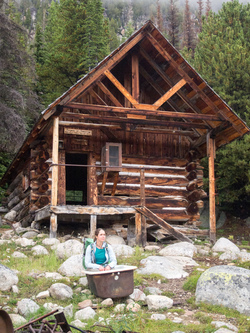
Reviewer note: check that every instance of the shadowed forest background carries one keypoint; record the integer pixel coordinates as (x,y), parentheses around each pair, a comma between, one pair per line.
(46,46)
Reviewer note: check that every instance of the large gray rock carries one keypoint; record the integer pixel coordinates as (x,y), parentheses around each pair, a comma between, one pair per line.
(225,245)
(39,250)
(8,278)
(72,266)
(184,249)
(115,240)
(69,248)
(60,291)
(156,302)
(85,314)
(163,266)
(26,307)
(123,250)
(228,286)
(205,218)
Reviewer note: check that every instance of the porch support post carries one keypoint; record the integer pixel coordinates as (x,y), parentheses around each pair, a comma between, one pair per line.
(212,217)
(143,204)
(93,220)
(53,225)
(54,187)
(138,228)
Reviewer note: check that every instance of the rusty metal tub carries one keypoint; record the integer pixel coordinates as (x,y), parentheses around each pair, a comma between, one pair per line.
(116,283)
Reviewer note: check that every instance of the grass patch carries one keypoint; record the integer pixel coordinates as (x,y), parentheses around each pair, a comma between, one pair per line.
(203,318)
(168,294)
(190,284)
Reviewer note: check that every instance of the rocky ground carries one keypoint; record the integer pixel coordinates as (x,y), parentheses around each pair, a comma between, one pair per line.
(174,287)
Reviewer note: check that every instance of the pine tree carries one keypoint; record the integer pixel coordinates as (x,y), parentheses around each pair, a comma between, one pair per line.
(159,16)
(222,57)
(199,14)
(76,39)
(188,41)
(173,24)
(208,7)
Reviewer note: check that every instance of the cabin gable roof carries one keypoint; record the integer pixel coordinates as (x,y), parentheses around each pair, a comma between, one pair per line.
(144,85)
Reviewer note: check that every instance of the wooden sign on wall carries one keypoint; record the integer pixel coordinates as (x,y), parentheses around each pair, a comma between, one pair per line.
(76,131)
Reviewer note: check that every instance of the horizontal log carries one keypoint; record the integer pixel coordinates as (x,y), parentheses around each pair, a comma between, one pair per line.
(43,188)
(174,215)
(132,178)
(193,185)
(151,202)
(191,166)
(175,162)
(42,201)
(21,204)
(14,202)
(17,181)
(193,208)
(16,192)
(150,190)
(196,195)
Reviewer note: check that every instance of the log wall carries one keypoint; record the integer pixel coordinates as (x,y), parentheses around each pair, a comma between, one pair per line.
(172,187)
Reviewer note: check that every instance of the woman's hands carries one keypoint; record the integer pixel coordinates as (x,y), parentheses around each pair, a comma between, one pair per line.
(107,268)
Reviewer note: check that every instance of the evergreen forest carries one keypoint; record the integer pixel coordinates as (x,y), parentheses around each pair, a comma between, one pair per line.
(47,45)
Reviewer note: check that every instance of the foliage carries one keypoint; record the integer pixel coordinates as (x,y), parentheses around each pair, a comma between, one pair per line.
(191,282)
(75,40)
(222,57)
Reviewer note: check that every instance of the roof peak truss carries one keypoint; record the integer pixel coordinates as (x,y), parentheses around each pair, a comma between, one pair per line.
(147,86)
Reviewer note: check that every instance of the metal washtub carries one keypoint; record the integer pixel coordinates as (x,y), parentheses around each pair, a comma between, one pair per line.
(116,283)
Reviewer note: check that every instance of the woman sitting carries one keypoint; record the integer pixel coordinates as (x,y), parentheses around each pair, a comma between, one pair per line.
(100,254)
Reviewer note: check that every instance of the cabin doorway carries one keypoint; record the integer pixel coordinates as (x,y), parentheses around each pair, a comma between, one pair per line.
(76,179)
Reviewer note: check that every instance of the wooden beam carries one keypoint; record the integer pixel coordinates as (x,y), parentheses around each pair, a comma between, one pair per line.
(93,223)
(160,222)
(109,94)
(92,183)
(135,76)
(115,183)
(55,146)
(163,75)
(110,63)
(181,72)
(159,123)
(138,235)
(120,87)
(53,225)
(98,99)
(212,216)
(144,109)
(170,93)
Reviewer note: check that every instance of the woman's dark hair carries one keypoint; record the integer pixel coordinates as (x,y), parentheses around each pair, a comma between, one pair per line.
(97,231)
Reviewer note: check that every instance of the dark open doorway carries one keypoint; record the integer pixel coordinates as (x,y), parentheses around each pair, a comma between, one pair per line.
(76,179)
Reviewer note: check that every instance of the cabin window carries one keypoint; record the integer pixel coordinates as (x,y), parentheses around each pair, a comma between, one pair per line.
(112,157)
(76,179)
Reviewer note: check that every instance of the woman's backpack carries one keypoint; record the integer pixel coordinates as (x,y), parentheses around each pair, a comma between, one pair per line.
(86,243)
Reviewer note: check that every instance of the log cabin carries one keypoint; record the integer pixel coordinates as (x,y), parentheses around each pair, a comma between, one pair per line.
(123,146)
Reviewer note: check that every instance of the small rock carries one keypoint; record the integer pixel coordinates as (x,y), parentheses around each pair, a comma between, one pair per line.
(107,302)
(158,316)
(85,304)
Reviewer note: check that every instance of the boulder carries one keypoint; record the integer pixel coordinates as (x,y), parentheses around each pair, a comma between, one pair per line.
(156,302)
(225,245)
(30,234)
(184,249)
(162,266)
(26,307)
(8,278)
(123,250)
(228,286)
(72,266)
(115,240)
(60,291)
(69,248)
(85,314)
(39,250)
(50,241)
